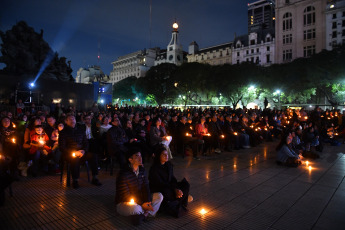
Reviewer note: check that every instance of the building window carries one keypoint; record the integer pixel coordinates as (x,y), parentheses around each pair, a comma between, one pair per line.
(309,16)
(268,58)
(287,1)
(334,34)
(238,54)
(343,23)
(334,16)
(287,39)
(287,21)
(287,55)
(238,62)
(252,59)
(252,51)
(252,42)
(247,52)
(309,50)
(268,48)
(268,39)
(343,34)
(334,25)
(257,50)
(309,34)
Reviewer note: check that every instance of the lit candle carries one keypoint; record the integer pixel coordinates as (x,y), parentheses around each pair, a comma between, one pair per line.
(235,133)
(222,136)
(203,211)
(309,167)
(0,156)
(208,134)
(307,163)
(13,125)
(73,155)
(187,134)
(41,142)
(306,117)
(132,202)
(13,140)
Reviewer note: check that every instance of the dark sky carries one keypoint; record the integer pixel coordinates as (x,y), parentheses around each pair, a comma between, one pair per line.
(78,29)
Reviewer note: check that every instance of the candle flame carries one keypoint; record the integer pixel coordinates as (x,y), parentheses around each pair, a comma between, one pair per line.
(235,133)
(307,163)
(13,125)
(14,140)
(73,154)
(222,136)
(203,211)
(132,202)
(309,167)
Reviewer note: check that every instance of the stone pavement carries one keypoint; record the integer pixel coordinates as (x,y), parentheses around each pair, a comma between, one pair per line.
(243,189)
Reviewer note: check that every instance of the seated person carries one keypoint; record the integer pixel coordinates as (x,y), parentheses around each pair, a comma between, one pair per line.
(38,149)
(162,180)
(132,184)
(286,155)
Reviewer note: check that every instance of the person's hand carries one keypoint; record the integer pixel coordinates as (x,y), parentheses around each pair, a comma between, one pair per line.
(147,206)
(45,152)
(80,153)
(179,193)
(301,157)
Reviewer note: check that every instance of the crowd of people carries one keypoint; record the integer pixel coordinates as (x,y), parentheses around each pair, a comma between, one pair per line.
(36,142)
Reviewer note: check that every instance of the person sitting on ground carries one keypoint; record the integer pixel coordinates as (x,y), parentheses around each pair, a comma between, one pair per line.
(286,155)
(133,197)
(162,180)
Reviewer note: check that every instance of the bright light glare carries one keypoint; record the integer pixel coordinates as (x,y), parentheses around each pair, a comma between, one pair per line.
(278,91)
(203,211)
(32,84)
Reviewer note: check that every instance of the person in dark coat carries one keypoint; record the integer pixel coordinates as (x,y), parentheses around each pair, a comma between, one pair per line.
(74,145)
(133,197)
(162,179)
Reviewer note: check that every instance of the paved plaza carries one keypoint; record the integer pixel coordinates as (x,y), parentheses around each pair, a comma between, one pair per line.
(243,189)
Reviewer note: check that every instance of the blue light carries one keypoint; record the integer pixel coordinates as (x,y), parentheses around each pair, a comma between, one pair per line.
(32,84)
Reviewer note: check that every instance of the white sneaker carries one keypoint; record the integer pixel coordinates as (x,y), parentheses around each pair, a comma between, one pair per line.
(190,198)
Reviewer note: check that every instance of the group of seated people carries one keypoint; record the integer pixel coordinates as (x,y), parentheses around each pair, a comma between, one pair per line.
(41,142)
(140,196)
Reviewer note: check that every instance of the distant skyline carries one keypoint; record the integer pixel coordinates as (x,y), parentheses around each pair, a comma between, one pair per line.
(79,30)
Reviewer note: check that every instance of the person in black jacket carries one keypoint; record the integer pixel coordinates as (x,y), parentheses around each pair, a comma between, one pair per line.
(162,179)
(74,146)
(133,197)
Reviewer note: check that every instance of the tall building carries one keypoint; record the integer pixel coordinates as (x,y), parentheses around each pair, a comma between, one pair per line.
(257,47)
(300,28)
(174,53)
(335,23)
(133,64)
(214,55)
(90,74)
(261,15)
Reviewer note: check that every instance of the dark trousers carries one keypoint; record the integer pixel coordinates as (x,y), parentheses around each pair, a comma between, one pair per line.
(76,161)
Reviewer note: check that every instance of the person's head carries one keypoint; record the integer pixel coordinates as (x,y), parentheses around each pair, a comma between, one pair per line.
(162,155)
(157,121)
(116,122)
(25,118)
(133,156)
(87,120)
(142,122)
(129,124)
(70,121)
(183,120)
(202,120)
(105,120)
(38,129)
(214,118)
(51,121)
(228,118)
(174,117)
(60,126)
(42,118)
(9,115)
(6,122)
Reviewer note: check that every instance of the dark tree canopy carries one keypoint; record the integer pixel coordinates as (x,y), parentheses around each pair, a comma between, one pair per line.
(24,51)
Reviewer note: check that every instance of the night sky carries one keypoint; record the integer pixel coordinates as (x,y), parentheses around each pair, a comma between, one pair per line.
(78,29)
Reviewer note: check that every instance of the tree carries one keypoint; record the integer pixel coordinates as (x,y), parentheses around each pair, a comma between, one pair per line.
(158,83)
(24,52)
(124,89)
